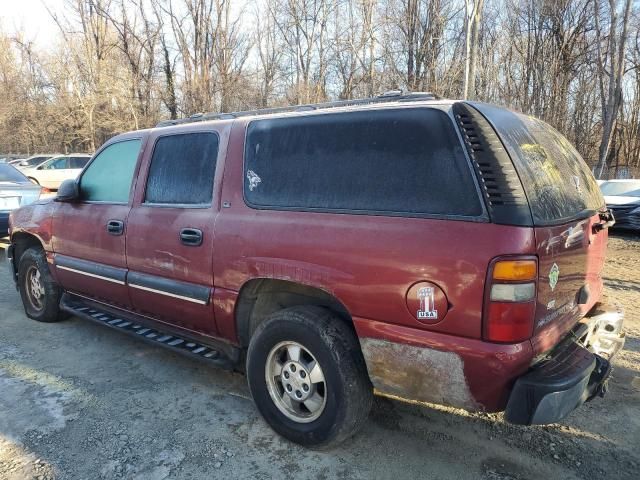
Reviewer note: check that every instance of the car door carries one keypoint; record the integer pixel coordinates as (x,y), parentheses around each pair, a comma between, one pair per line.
(170,232)
(89,234)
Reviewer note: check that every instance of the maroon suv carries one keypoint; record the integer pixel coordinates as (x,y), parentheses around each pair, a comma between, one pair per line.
(433,250)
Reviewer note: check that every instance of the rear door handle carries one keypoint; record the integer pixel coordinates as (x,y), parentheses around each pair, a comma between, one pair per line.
(115,227)
(191,237)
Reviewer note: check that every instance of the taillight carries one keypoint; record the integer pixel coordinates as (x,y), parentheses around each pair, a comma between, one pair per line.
(44,191)
(510,299)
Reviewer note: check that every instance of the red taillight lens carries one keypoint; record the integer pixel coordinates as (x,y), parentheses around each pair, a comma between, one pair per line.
(509,321)
(510,300)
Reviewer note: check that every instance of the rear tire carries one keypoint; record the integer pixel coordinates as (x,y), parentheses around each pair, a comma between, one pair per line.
(307,376)
(40,293)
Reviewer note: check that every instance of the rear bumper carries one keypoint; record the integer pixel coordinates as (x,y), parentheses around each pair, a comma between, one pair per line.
(575,372)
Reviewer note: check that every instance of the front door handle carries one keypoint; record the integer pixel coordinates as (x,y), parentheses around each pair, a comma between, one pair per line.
(115,227)
(191,237)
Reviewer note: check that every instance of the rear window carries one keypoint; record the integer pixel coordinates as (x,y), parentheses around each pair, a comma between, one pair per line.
(556,180)
(8,173)
(397,162)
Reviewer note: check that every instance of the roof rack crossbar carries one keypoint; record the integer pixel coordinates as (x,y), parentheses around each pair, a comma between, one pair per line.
(391,96)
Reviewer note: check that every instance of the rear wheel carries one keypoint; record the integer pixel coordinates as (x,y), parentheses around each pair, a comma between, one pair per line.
(34,180)
(40,293)
(307,376)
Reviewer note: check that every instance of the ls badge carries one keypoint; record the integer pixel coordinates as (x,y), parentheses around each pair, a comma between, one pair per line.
(554,274)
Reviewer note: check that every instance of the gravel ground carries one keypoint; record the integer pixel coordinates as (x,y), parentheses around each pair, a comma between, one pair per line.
(78,400)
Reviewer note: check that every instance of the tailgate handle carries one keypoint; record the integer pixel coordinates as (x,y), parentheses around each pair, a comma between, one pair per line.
(607,221)
(191,237)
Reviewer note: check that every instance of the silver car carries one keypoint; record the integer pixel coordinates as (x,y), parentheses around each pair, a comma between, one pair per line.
(623,198)
(16,190)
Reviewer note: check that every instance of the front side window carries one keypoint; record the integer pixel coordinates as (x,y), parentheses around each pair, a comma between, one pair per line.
(109,177)
(396,161)
(59,163)
(182,169)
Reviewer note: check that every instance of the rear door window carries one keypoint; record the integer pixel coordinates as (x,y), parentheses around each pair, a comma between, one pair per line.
(557,181)
(182,169)
(78,162)
(395,162)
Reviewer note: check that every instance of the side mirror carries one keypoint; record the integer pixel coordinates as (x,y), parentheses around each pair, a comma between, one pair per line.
(68,191)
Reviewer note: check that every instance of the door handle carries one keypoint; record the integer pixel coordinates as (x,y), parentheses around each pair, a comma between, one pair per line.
(115,227)
(191,237)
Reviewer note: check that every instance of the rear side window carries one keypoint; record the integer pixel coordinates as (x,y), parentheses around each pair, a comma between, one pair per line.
(109,177)
(182,169)
(556,180)
(78,162)
(59,163)
(397,162)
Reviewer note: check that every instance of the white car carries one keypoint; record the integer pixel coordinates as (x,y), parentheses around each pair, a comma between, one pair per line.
(56,170)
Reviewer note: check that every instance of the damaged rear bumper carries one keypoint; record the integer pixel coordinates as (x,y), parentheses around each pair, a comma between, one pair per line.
(575,372)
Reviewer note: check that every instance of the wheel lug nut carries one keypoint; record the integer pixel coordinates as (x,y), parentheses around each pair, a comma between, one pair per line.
(286,374)
(302,374)
(298,394)
(289,388)
(293,368)
(305,387)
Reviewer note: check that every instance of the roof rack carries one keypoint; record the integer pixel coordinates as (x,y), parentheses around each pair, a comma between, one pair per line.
(390,96)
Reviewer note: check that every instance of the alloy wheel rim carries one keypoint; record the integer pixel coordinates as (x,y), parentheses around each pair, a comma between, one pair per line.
(296,382)
(35,289)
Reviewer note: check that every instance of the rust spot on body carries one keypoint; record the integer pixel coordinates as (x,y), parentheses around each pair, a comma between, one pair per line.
(415,373)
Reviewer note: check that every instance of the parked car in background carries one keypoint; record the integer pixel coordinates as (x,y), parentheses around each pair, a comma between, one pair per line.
(623,198)
(56,170)
(436,250)
(11,158)
(33,161)
(16,190)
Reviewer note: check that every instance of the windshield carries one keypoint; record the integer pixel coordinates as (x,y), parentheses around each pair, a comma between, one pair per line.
(34,161)
(625,189)
(556,180)
(10,174)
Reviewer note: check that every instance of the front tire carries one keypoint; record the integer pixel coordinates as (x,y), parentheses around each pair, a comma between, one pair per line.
(40,293)
(307,376)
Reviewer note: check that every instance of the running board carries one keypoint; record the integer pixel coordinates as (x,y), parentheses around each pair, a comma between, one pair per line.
(78,307)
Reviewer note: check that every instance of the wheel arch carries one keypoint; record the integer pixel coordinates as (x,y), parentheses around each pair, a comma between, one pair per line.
(260,297)
(20,242)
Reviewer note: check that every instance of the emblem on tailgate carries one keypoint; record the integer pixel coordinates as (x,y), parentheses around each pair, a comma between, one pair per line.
(554,273)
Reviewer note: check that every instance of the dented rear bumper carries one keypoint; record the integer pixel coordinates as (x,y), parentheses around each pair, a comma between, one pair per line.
(576,371)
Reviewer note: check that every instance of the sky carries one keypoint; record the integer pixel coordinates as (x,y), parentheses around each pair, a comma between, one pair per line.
(31,18)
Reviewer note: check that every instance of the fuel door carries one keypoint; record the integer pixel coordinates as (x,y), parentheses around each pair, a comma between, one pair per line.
(427,302)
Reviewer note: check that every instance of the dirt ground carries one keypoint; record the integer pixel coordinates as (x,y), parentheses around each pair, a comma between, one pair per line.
(78,400)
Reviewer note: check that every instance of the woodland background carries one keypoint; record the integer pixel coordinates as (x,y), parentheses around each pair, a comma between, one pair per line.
(119,65)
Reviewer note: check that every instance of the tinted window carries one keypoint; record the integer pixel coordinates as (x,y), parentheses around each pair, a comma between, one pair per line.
(78,162)
(109,177)
(556,180)
(407,161)
(9,173)
(182,169)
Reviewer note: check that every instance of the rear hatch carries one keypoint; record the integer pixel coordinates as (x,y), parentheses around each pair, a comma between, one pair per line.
(566,207)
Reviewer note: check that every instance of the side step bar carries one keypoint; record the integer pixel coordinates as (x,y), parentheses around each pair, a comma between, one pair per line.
(88,310)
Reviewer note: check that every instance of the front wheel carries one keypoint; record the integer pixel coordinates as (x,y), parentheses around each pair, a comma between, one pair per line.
(307,376)
(40,293)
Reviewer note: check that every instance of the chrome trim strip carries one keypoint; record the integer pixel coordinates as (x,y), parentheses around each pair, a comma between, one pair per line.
(113,280)
(153,290)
